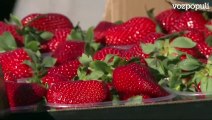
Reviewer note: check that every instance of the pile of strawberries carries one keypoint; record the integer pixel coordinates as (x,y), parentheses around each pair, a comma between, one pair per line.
(44,57)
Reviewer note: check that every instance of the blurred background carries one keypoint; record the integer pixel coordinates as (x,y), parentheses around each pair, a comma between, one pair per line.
(88,12)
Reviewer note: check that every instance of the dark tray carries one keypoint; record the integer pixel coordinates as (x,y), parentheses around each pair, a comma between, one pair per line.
(169,110)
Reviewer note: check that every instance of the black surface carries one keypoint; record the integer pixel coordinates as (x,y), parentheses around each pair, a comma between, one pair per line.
(184,111)
(6,7)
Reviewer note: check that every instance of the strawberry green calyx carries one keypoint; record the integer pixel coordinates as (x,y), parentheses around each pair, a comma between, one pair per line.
(32,37)
(39,65)
(151,15)
(7,42)
(100,70)
(86,36)
(204,78)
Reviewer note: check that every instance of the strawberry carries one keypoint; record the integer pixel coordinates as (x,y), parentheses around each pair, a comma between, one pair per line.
(67,69)
(68,50)
(130,32)
(189,20)
(23,94)
(12,61)
(13,30)
(101,54)
(136,79)
(135,51)
(166,19)
(9,76)
(78,92)
(152,37)
(100,29)
(47,22)
(51,79)
(60,35)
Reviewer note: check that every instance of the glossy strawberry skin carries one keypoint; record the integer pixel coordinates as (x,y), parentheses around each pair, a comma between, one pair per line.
(134,51)
(136,79)
(60,35)
(51,79)
(23,94)
(101,54)
(100,30)
(13,30)
(67,69)
(47,22)
(202,50)
(12,61)
(167,18)
(189,20)
(78,92)
(68,50)
(152,37)
(130,32)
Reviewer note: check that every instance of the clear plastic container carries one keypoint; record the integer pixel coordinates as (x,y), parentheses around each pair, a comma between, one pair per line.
(190,95)
(110,103)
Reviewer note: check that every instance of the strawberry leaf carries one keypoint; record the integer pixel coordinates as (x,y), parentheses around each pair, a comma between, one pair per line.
(33,45)
(95,75)
(15,20)
(7,42)
(189,64)
(48,61)
(150,13)
(46,35)
(81,73)
(89,34)
(148,48)
(209,27)
(183,42)
(100,66)
(118,22)
(30,64)
(75,35)
(209,40)
(108,57)
(134,100)
(115,100)
(85,59)
(206,84)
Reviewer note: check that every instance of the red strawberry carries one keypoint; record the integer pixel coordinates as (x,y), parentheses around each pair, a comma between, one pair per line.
(100,55)
(47,22)
(67,69)
(60,35)
(51,79)
(136,79)
(152,37)
(201,49)
(130,32)
(13,30)
(23,94)
(189,20)
(68,50)
(167,18)
(78,92)
(12,61)
(100,29)
(135,51)
(9,76)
